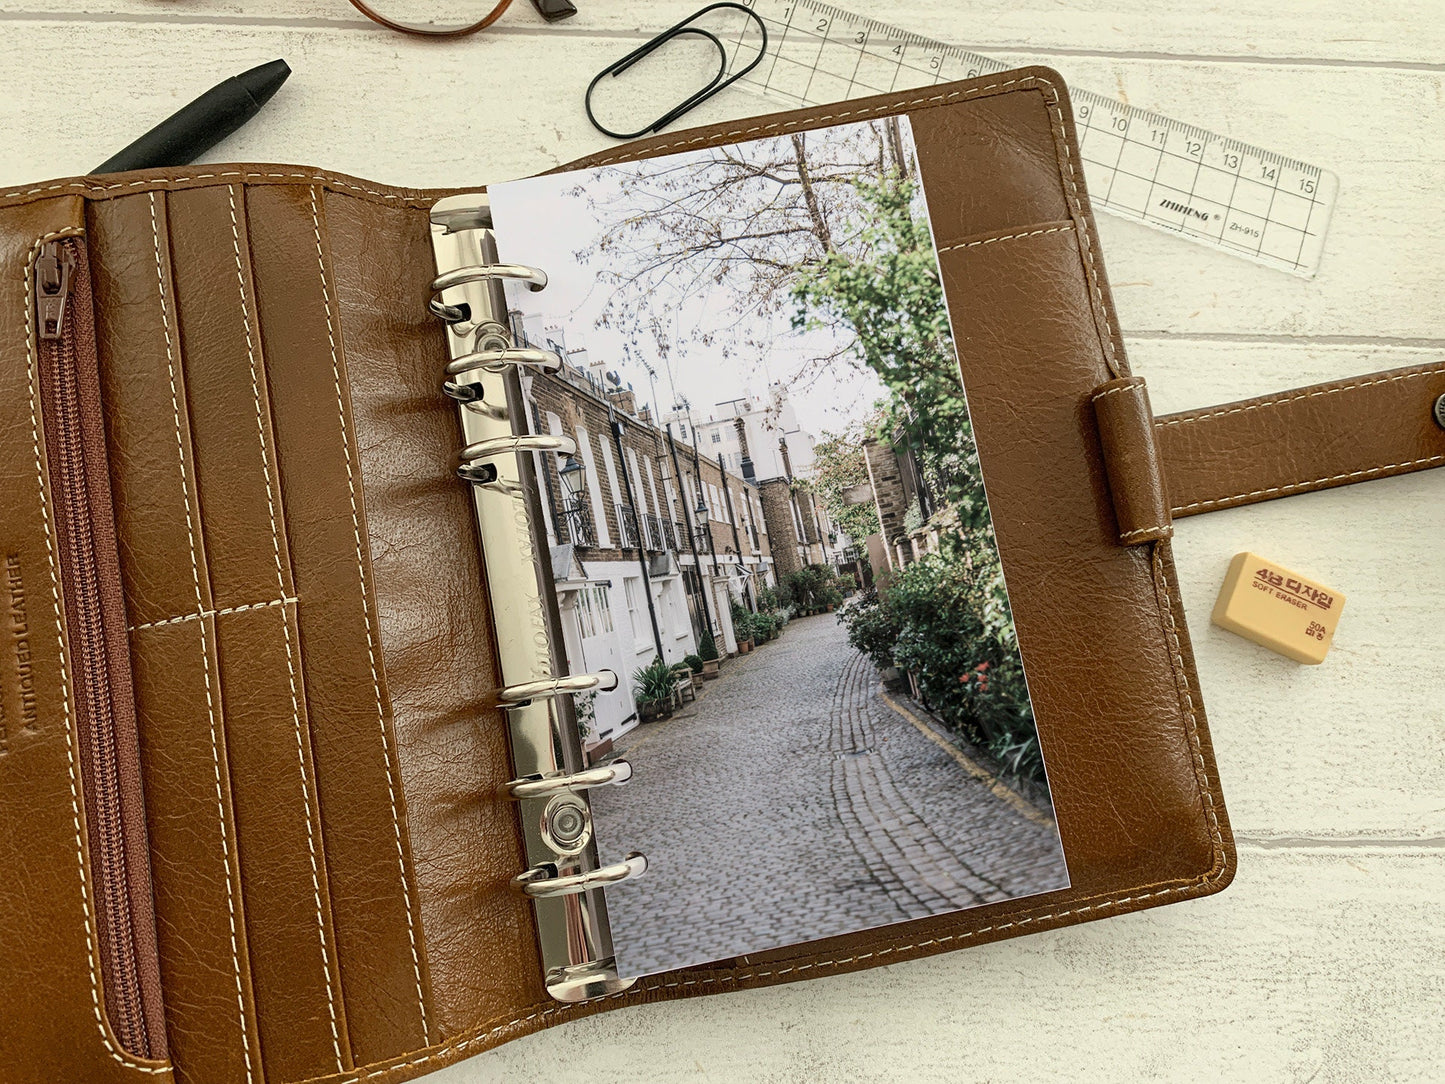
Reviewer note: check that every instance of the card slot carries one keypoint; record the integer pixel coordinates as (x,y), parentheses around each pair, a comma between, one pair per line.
(230,414)
(379,938)
(200,909)
(299,1011)
(146,401)
(1039,449)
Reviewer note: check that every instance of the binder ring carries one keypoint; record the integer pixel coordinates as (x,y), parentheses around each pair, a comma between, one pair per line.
(496,361)
(540,442)
(534,277)
(541,882)
(512,695)
(606,775)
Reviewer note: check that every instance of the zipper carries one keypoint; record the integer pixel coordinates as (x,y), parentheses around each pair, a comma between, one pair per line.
(94,615)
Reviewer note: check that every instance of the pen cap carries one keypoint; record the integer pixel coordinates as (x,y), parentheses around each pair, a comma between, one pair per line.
(197,127)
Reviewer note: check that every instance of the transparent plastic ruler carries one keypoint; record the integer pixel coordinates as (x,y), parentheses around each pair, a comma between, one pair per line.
(1176,177)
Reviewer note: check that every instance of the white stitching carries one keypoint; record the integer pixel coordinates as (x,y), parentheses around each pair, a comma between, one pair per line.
(1136,383)
(1181,419)
(1007,237)
(205,640)
(328,180)
(285,628)
(70,755)
(366,613)
(1294,487)
(1186,699)
(1142,532)
(284,600)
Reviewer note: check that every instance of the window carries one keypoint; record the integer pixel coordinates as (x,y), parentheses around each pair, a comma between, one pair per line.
(632,585)
(604,608)
(586,618)
(594,611)
(716,437)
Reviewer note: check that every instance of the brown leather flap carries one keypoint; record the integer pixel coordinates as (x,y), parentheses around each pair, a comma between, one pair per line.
(1306,439)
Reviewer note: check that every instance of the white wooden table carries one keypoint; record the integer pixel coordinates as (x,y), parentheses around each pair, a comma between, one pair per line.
(1325,961)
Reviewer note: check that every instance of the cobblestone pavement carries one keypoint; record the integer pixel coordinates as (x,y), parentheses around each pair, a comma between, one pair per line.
(790,802)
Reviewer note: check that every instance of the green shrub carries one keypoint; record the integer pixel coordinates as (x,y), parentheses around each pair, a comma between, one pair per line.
(707,650)
(585,706)
(807,587)
(768,600)
(946,620)
(1019,756)
(872,628)
(744,626)
(694,663)
(765,625)
(654,682)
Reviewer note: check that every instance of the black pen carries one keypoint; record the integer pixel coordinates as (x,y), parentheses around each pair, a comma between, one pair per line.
(196,128)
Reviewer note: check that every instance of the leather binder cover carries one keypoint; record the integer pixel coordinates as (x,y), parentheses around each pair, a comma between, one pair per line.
(309,628)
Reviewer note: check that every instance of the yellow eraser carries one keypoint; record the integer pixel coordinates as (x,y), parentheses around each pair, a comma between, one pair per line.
(1278,608)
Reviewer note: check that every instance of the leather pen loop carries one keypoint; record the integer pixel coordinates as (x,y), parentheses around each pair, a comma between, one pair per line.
(716,84)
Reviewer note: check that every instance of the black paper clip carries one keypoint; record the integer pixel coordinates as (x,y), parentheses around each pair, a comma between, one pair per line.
(717,83)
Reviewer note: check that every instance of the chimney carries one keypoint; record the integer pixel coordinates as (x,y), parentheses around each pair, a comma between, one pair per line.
(787,462)
(749,475)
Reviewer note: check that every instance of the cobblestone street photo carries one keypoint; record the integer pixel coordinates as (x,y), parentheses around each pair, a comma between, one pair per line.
(795,800)
(768,518)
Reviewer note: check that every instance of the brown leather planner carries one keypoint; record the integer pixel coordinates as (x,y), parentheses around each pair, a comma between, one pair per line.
(254,817)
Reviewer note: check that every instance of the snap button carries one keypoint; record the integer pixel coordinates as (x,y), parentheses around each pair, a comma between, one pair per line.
(1440,412)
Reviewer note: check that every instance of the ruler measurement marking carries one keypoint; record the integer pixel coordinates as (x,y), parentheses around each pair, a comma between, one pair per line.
(817,60)
(778,49)
(1274,195)
(858,60)
(1269,211)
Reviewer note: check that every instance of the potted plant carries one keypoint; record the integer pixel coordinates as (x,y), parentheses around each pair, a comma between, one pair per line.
(744,629)
(654,685)
(694,663)
(707,652)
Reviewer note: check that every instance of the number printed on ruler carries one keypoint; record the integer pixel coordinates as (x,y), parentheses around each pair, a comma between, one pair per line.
(1153,169)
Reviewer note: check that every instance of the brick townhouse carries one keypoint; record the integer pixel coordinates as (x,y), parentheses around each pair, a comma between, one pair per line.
(651,540)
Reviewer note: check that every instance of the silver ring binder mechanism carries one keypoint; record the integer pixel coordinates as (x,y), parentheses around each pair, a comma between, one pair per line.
(564,878)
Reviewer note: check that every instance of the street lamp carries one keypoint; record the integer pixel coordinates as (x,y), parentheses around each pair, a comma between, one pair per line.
(699,516)
(574,504)
(573,475)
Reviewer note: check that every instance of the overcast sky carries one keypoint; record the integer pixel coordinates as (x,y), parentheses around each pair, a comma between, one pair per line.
(539,221)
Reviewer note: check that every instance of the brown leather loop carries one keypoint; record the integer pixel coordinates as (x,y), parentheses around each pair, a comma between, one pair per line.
(1131,458)
(481,24)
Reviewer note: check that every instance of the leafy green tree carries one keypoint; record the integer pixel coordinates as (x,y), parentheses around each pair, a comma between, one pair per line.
(886,287)
(839,466)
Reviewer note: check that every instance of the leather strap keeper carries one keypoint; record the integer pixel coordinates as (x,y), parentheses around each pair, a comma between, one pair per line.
(1131,459)
(1297,441)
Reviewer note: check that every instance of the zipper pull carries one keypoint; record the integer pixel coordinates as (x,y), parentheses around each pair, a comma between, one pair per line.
(53,268)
